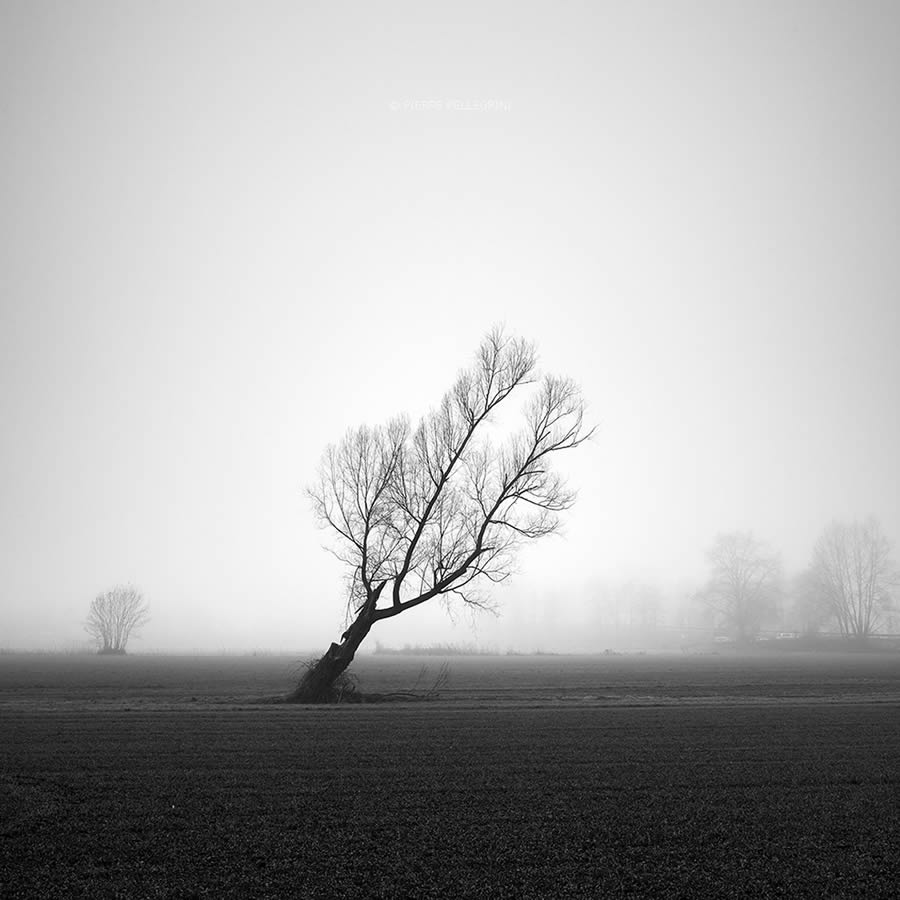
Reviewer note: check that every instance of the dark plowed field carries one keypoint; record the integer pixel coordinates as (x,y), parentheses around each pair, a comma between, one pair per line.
(548,793)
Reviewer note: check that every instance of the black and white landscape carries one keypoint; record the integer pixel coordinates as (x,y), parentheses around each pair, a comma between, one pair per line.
(449,449)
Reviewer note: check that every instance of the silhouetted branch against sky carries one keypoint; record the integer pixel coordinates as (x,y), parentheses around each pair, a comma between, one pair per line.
(431,510)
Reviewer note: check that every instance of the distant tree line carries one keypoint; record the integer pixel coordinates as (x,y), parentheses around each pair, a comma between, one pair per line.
(849,586)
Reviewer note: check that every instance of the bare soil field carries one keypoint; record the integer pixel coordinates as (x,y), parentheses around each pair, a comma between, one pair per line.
(549,777)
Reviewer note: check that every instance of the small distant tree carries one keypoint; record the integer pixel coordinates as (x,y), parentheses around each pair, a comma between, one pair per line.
(852,576)
(432,512)
(114,617)
(744,583)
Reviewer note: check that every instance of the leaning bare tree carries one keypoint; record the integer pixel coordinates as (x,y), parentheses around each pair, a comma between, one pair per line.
(744,582)
(853,575)
(115,616)
(438,511)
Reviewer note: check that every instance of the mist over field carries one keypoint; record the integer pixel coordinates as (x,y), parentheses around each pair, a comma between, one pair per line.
(229,233)
(449,449)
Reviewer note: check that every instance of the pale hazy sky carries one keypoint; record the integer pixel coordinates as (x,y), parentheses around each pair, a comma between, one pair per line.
(232,230)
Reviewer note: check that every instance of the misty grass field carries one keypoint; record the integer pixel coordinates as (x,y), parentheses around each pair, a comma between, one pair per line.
(680,776)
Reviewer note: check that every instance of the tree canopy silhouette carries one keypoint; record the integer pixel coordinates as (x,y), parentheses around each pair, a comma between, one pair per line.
(439,511)
(744,583)
(114,617)
(853,575)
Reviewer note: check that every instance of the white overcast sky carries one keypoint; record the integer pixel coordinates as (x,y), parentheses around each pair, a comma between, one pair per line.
(232,230)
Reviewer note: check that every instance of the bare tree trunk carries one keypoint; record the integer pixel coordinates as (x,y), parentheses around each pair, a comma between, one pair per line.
(317,685)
